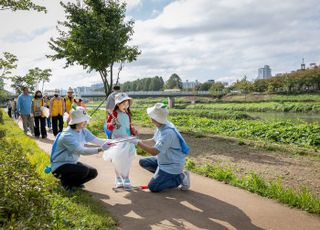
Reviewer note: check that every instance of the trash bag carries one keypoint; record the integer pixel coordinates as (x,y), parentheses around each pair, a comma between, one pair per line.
(121,155)
(45,111)
(65,117)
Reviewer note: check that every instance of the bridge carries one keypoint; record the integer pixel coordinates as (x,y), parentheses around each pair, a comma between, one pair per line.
(143,94)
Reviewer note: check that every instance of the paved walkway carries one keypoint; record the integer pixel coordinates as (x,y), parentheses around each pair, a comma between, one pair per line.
(208,205)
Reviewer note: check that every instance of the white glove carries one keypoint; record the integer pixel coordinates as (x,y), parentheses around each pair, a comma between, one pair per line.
(105,146)
(134,141)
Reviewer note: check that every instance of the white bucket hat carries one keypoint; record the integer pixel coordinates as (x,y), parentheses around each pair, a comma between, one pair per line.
(70,90)
(159,113)
(120,97)
(78,115)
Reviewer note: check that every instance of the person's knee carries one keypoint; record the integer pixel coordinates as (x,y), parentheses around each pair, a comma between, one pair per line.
(94,173)
(153,187)
(142,163)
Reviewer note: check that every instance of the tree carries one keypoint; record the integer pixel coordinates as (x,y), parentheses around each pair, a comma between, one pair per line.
(15,5)
(205,86)
(96,37)
(174,82)
(33,77)
(217,89)
(243,85)
(7,64)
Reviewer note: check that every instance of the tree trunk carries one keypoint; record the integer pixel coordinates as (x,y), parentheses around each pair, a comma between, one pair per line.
(104,78)
(111,77)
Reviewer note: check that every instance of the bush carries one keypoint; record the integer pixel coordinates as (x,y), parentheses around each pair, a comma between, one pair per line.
(23,197)
(1,116)
(31,199)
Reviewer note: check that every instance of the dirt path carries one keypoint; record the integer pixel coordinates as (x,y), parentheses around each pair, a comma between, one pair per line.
(208,205)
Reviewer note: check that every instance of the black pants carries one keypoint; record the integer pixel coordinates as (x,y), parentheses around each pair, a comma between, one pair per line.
(9,112)
(74,175)
(42,121)
(55,121)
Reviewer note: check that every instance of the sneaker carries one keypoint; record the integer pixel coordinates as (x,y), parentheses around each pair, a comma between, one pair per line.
(126,183)
(185,185)
(119,183)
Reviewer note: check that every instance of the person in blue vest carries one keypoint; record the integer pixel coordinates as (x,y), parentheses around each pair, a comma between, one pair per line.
(169,151)
(69,145)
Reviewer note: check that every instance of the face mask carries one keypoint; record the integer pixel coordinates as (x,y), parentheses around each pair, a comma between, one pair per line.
(39,96)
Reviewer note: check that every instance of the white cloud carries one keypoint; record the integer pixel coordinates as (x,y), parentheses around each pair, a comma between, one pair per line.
(203,39)
(133,3)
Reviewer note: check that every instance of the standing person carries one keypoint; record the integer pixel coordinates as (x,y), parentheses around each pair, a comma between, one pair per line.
(46,101)
(14,108)
(9,106)
(57,109)
(169,151)
(111,99)
(119,122)
(69,100)
(37,103)
(24,109)
(68,147)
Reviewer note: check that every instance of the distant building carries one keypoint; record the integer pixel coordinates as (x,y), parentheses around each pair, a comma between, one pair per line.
(264,73)
(189,85)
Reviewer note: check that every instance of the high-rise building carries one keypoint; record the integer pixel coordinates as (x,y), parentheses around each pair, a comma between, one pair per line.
(264,73)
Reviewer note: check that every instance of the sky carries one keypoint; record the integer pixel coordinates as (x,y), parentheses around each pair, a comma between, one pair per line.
(221,40)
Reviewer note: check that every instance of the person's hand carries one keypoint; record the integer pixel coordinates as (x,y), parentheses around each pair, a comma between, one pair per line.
(134,141)
(106,146)
(135,132)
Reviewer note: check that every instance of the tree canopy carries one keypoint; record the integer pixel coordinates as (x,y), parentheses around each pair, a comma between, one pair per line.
(174,82)
(95,36)
(15,5)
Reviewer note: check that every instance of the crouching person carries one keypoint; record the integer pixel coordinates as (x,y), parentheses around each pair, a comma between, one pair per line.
(169,151)
(68,147)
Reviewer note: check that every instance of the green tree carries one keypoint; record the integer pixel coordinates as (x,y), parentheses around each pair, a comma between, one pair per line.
(15,5)
(31,79)
(174,82)
(260,85)
(7,64)
(217,89)
(96,37)
(243,85)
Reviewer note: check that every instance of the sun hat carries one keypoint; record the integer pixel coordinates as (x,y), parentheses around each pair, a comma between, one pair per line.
(70,90)
(121,97)
(78,115)
(159,113)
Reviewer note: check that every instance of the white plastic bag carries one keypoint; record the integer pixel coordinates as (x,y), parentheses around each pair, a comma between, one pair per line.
(65,117)
(45,111)
(121,156)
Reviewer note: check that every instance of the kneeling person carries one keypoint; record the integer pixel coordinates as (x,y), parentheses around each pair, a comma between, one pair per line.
(68,147)
(169,151)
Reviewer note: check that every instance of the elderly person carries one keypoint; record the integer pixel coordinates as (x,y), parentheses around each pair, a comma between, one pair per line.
(169,151)
(69,100)
(24,109)
(68,147)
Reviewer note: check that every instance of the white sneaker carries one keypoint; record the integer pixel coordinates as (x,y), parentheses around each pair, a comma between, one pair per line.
(185,185)
(126,183)
(118,183)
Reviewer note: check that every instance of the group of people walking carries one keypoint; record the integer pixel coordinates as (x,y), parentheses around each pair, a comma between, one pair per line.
(32,110)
